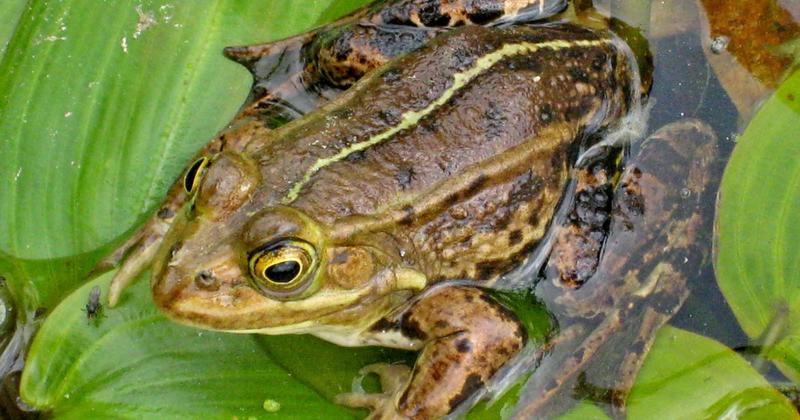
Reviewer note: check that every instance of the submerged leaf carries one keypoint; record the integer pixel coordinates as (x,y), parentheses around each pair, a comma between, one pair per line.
(758,228)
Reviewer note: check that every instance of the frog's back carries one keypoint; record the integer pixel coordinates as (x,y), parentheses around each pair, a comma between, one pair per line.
(460,149)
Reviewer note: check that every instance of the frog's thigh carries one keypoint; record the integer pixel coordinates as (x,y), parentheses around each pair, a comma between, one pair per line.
(468,337)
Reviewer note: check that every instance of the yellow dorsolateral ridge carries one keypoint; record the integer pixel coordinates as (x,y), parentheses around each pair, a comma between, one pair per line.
(411,118)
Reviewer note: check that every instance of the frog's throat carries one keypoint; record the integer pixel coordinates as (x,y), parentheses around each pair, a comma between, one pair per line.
(460,80)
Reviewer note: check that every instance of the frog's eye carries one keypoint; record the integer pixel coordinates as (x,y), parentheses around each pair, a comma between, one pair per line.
(193,176)
(283,269)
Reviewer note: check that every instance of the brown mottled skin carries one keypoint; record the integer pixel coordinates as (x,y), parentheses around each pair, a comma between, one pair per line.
(609,322)
(384,212)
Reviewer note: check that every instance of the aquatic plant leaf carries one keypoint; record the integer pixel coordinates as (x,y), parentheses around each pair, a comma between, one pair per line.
(10,12)
(101,105)
(338,9)
(758,226)
(691,377)
(131,362)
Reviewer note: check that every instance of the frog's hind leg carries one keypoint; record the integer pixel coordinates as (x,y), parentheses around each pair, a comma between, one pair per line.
(654,245)
(603,364)
(465,337)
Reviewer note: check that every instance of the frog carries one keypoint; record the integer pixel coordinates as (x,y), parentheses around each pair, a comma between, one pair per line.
(436,146)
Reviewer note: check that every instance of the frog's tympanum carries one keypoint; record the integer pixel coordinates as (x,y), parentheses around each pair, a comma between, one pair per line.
(429,141)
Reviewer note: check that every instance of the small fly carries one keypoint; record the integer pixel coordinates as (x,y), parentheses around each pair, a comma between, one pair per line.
(93,308)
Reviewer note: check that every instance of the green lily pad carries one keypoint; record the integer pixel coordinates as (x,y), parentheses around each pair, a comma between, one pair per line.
(132,362)
(758,229)
(689,376)
(10,11)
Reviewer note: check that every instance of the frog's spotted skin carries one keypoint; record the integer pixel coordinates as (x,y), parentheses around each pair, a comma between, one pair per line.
(448,162)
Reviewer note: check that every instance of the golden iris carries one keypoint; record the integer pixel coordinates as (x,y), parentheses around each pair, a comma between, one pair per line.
(283,267)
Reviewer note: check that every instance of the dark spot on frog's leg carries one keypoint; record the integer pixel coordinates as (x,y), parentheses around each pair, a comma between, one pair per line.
(464,345)
(514,237)
(524,252)
(384,325)
(487,269)
(471,384)
(441,324)
(411,328)
(205,280)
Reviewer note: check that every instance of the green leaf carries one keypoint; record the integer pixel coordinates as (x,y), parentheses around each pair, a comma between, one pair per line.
(689,376)
(340,8)
(101,106)
(758,228)
(131,362)
(10,12)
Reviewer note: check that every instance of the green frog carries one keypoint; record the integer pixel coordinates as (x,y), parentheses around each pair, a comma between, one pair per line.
(427,142)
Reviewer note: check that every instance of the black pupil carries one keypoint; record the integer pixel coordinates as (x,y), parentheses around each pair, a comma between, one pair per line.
(283,272)
(188,182)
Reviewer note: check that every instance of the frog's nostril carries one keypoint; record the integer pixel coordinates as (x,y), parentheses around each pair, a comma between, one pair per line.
(206,280)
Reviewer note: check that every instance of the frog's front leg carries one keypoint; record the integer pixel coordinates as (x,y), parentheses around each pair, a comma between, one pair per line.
(465,336)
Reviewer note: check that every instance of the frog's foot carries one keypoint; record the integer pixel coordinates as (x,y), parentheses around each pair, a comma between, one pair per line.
(394,379)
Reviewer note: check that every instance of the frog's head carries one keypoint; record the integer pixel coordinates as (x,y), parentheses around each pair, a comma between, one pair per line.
(230,263)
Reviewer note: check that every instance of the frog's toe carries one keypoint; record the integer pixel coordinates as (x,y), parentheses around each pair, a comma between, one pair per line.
(393,378)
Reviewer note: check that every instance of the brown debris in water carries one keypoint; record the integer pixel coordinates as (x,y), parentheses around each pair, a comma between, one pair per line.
(756,30)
